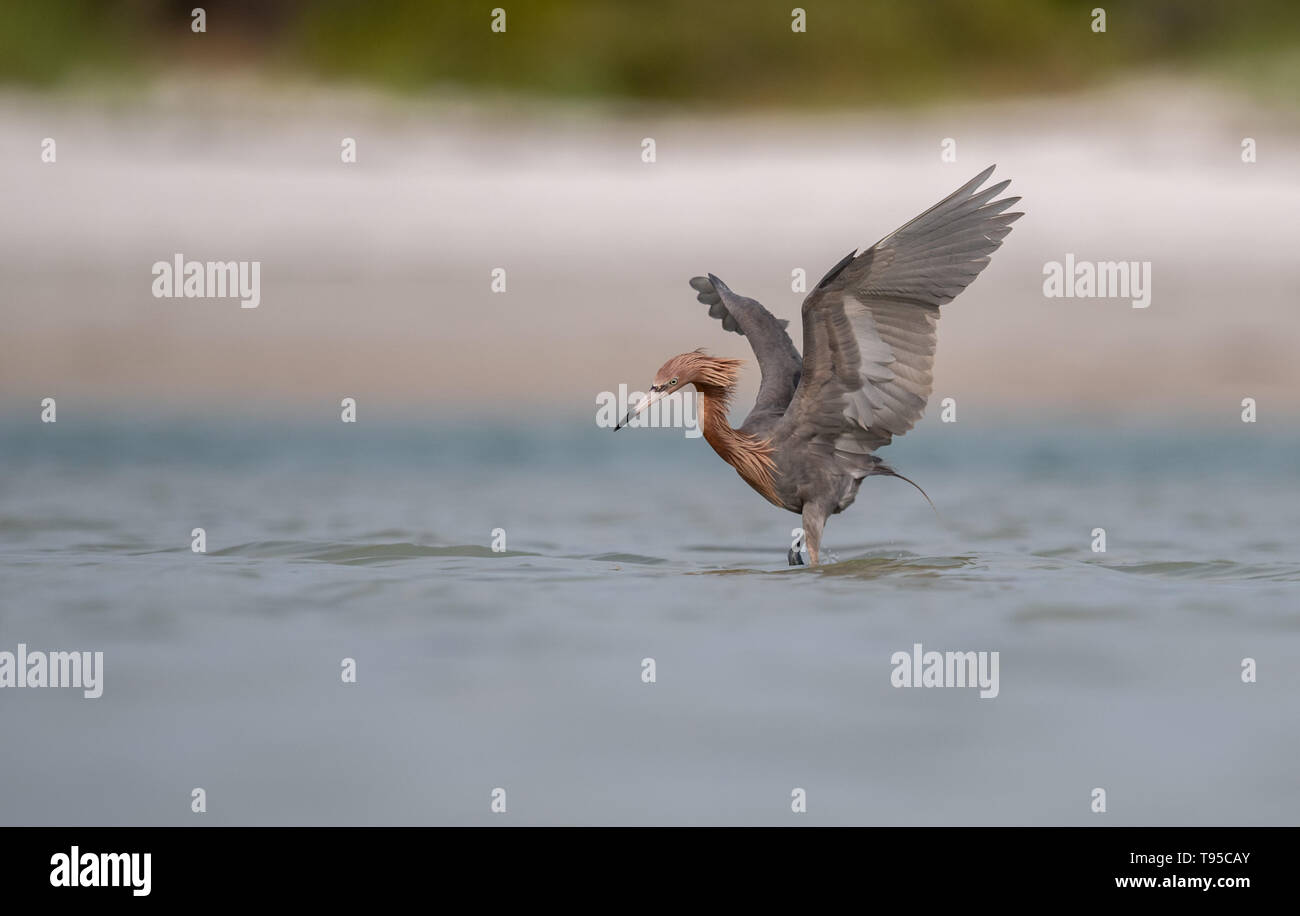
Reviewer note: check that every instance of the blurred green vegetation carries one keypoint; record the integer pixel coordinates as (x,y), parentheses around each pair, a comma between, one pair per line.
(680,51)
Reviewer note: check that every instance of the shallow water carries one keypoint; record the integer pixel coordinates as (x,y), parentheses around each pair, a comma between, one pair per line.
(522,669)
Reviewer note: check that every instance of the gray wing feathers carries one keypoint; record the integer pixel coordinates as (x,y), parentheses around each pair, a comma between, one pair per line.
(934,257)
(710,297)
(778,360)
(869,328)
(888,394)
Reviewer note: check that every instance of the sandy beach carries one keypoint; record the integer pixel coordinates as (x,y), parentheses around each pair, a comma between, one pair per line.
(376,274)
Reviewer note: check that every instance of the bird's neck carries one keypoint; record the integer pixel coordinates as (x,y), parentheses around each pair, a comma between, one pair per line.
(752,458)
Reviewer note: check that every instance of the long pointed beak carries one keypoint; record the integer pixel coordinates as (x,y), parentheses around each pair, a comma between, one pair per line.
(640,406)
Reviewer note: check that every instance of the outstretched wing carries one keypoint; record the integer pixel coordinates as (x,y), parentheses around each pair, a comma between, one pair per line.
(778,360)
(869,326)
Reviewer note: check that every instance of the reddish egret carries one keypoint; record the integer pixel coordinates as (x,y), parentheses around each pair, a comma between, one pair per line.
(866,370)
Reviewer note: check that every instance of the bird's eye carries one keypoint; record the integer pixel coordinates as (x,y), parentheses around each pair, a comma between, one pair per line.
(673,382)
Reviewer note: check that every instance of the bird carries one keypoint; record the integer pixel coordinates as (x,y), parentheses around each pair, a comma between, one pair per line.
(866,373)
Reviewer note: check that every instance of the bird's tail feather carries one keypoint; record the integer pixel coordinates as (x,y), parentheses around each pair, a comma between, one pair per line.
(887,471)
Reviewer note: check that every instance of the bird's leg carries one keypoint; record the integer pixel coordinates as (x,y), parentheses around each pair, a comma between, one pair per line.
(795,557)
(814,517)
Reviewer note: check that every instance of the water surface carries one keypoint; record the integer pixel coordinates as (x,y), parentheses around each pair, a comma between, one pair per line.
(522,669)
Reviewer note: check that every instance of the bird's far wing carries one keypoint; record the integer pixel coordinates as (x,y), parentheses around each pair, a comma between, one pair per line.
(778,360)
(869,326)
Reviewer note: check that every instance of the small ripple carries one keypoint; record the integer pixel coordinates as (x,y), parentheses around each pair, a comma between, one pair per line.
(1068,614)
(1212,570)
(868,567)
(13,523)
(879,567)
(624,558)
(358,554)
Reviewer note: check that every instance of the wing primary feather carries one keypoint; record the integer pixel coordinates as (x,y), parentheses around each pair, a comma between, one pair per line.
(835,271)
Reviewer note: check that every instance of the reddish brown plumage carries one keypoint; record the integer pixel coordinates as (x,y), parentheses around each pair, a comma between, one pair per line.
(715,377)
